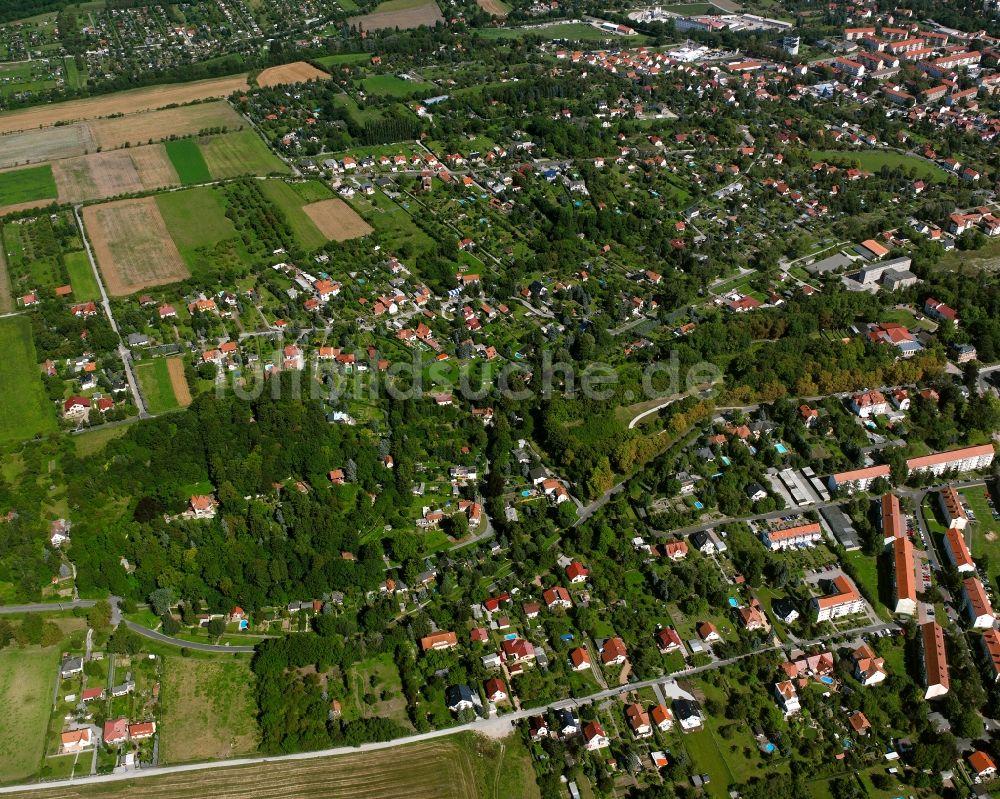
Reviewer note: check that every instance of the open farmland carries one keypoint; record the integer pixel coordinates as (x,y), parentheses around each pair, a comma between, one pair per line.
(208,710)
(26,679)
(81,277)
(157,125)
(458,767)
(399,14)
(241,153)
(129,102)
(35,146)
(27,185)
(24,408)
(495,7)
(132,246)
(108,174)
(187,159)
(299,72)
(337,220)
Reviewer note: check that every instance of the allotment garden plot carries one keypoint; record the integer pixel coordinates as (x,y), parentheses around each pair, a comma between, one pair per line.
(337,220)
(132,246)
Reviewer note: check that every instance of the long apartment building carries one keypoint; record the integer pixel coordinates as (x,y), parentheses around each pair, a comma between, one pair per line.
(958,551)
(951,507)
(857,479)
(991,649)
(845,600)
(977,604)
(802,535)
(967,459)
(891,519)
(904,577)
(935,660)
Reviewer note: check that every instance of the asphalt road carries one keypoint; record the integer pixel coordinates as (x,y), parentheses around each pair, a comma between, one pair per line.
(497,727)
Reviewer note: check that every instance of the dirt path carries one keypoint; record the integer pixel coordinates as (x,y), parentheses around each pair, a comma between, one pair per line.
(182,391)
(6,300)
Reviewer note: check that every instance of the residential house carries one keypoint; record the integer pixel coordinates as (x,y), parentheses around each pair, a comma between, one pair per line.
(594,737)
(668,640)
(797,537)
(787,696)
(869,669)
(76,740)
(869,403)
(577,572)
(203,507)
(688,714)
(579,659)
(613,652)
(496,691)
(557,597)
(142,730)
(708,632)
(70,666)
(638,720)
(439,640)
(460,697)
(662,718)
(115,731)
(982,765)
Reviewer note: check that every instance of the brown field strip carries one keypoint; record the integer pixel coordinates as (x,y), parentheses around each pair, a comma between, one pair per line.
(157,125)
(337,220)
(182,391)
(299,72)
(133,248)
(128,102)
(492,7)
(427,14)
(433,770)
(6,300)
(114,172)
(25,206)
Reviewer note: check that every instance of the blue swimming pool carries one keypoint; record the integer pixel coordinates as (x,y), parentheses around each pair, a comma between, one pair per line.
(698,505)
(781,448)
(510,636)
(769,747)
(826,680)
(526,493)
(733,603)
(725,460)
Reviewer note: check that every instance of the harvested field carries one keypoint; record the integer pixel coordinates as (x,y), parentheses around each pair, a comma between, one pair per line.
(241,153)
(36,146)
(108,174)
(157,125)
(133,248)
(129,102)
(337,220)
(299,72)
(432,770)
(413,17)
(175,366)
(6,300)
(25,206)
(495,7)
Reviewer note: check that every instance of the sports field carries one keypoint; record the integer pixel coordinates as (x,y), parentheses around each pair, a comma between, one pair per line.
(24,408)
(874,160)
(187,159)
(81,277)
(132,246)
(241,153)
(303,228)
(154,380)
(25,185)
(457,767)
(27,677)
(208,711)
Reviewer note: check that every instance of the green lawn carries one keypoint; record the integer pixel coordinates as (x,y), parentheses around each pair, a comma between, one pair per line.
(343,59)
(195,218)
(154,380)
(240,153)
(188,160)
(81,277)
(984,533)
(874,160)
(27,677)
(285,197)
(24,407)
(25,185)
(391,86)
